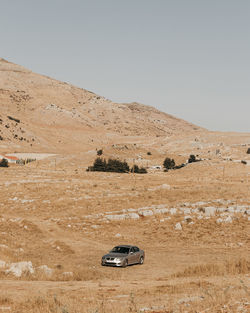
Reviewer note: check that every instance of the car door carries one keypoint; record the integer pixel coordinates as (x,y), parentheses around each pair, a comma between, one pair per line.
(131,256)
(137,255)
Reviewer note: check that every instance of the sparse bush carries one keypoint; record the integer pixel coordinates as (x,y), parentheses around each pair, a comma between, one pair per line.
(192,159)
(26,161)
(169,163)
(99,152)
(179,166)
(98,166)
(114,165)
(149,153)
(4,163)
(138,170)
(248,151)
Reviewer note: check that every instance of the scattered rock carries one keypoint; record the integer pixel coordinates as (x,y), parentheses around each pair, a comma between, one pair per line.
(17,269)
(173,211)
(67,274)
(116,217)
(188,219)
(161,211)
(3,264)
(178,226)
(189,299)
(228,220)
(166,186)
(3,246)
(46,270)
(133,215)
(219,220)
(210,211)
(146,213)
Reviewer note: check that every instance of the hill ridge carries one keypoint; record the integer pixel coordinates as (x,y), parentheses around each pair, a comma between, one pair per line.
(45,105)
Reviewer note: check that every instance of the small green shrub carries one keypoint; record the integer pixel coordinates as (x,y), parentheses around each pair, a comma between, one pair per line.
(99,152)
(4,163)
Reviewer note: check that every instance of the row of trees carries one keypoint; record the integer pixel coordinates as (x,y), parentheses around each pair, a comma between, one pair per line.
(114,165)
(169,164)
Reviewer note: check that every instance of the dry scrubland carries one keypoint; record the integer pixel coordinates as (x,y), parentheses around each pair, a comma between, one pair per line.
(66,218)
(57,220)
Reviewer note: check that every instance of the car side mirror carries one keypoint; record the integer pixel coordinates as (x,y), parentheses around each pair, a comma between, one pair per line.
(131,252)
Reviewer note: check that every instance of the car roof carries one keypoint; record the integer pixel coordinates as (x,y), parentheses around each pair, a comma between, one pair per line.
(125,246)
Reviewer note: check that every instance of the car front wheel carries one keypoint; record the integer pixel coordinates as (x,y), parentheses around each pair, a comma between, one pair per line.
(125,264)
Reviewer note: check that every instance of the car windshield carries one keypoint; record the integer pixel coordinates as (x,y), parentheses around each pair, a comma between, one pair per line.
(124,250)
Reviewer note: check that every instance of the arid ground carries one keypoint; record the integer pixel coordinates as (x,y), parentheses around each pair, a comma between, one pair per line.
(57,219)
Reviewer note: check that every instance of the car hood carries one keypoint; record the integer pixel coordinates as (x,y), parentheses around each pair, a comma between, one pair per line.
(115,255)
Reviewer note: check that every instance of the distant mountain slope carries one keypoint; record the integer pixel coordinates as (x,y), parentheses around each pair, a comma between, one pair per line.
(57,115)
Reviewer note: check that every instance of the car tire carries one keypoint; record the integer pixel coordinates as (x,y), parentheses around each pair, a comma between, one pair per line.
(125,264)
(141,260)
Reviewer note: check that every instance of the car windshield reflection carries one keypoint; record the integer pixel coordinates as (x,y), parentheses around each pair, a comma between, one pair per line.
(124,250)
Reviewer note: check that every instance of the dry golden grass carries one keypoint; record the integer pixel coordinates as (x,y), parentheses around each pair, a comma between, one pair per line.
(232,267)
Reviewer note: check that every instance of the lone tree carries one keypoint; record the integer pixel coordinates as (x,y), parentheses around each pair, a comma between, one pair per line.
(169,164)
(4,163)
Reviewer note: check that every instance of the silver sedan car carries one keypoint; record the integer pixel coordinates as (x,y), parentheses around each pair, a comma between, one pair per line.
(124,255)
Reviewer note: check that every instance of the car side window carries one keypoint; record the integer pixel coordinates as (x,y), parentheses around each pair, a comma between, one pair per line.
(136,249)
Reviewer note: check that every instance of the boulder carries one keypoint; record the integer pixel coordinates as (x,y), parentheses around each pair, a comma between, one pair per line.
(166,186)
(67,274)
(173,211)
(188,218)
(161,211)
(46,270)
(210,211)
(228,220)
(17,269)
(187,211)
(117,217)
(146,213)
(133,215)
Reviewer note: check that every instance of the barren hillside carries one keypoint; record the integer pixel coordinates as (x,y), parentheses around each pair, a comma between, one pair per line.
(58,116)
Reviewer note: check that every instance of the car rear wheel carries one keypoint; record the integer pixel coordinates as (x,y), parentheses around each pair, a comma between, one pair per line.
(141,260)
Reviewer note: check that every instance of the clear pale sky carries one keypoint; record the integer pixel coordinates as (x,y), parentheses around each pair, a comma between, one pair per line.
(189,58)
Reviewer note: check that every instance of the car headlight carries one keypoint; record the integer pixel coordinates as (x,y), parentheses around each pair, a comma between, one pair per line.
(117,259)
